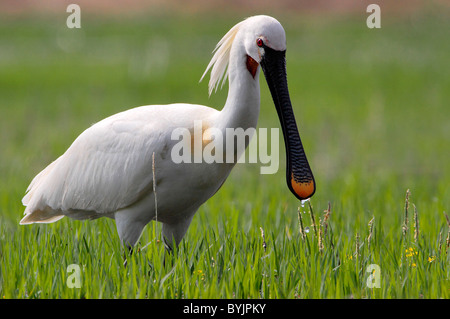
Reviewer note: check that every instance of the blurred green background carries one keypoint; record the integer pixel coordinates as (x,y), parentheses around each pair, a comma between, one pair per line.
(372,105)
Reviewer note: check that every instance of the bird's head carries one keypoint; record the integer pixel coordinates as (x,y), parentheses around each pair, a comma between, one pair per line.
(260,34)
(262,40)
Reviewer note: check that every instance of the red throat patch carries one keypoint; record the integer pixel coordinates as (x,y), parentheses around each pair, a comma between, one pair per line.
(252,66)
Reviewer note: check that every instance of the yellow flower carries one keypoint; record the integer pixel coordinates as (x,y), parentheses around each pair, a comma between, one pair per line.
(199,273)
(431,259)
(410,252)
(413,265)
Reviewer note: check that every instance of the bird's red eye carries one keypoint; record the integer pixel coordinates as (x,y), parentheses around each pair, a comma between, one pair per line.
(259,42)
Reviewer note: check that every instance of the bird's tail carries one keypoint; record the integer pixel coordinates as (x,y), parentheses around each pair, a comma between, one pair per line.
(40,216)
(35,213)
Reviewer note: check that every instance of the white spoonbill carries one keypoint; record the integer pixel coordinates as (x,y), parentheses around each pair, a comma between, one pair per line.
(107,171)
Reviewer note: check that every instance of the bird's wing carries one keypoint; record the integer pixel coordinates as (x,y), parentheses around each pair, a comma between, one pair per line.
(108,167)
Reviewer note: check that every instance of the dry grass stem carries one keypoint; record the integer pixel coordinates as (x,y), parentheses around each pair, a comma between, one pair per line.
(311,212)
(416,225)
(263,238)
(357,245)
(326,217)
(320,242)
(154,185)
(369,238)
(405,223)
(448,231)
(300,224)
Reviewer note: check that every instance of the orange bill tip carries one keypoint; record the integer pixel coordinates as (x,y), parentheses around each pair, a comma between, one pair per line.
(303,190)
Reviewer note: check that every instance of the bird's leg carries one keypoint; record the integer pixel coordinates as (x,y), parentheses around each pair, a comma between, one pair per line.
(129,228)
(173,233)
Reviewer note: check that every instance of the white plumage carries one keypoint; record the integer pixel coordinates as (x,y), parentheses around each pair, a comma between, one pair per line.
(107,171)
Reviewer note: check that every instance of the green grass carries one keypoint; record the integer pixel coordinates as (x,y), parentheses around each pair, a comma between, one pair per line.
(372,107)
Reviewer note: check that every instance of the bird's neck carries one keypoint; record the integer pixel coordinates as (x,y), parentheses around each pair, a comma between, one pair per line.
(241,109)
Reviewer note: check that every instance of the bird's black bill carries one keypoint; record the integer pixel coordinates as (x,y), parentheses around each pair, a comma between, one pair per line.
(299,176)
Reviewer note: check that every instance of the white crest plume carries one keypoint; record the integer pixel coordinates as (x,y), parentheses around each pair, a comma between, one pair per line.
(220,59)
